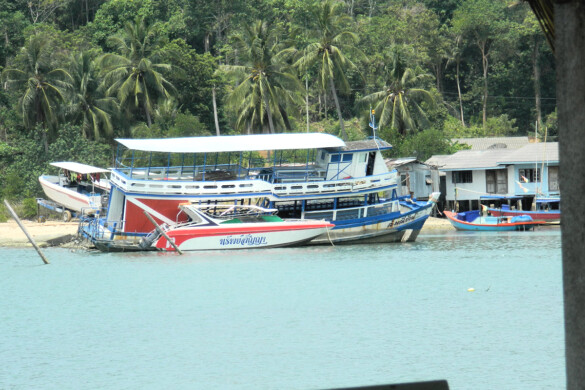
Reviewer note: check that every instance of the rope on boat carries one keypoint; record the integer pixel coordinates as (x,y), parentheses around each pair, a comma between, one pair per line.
(329,237)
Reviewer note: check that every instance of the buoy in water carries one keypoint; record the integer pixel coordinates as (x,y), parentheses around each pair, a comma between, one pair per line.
(471,289)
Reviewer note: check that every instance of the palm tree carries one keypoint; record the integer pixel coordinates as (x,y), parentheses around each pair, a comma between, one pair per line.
(398,103)
(328,51)
(267,86)
(42,84)
(89,97)
(134,74)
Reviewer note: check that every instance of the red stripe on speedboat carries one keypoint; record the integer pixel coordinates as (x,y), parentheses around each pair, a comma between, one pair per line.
(220,231)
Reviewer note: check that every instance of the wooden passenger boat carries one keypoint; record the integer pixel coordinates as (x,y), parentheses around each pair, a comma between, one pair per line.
(303,176)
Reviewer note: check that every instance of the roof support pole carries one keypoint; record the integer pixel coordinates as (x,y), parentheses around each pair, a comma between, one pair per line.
(569,23)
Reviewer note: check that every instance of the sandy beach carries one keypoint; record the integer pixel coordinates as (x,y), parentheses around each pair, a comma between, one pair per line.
(52,233)
(49,233)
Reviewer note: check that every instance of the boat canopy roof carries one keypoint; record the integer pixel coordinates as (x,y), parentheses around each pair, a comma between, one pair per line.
(78,168)
(548,200)
(500,197)
(235,143)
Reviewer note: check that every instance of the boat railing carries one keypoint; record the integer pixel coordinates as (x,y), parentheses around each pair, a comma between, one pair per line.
(353,212)
(246,186)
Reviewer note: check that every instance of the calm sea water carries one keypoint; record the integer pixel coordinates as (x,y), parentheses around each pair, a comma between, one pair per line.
(298,318)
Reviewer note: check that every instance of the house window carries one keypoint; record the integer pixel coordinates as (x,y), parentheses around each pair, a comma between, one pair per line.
(462,177)
(531,175)
(553,178)
(496,181)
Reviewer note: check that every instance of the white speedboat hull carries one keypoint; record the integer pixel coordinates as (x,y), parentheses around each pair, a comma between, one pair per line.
(243,235)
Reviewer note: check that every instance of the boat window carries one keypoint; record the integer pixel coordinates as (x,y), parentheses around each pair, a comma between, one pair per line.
(347,157)
(322,155)
(335,158)
(363,157)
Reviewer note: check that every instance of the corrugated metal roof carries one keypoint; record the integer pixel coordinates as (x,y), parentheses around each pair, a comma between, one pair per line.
(532,153)
(396,162)
(488,143)
(368,144)
(470,159)
(496,158)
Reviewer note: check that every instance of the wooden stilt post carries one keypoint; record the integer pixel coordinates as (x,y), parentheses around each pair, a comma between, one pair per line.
(34,244)
(158,229)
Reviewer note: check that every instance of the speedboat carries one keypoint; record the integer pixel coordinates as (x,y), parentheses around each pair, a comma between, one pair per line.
(226,226)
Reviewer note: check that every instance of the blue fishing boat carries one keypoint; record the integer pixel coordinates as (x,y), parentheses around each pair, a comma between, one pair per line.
(475,221)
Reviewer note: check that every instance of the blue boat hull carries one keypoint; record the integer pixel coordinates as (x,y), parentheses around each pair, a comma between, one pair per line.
(473,221)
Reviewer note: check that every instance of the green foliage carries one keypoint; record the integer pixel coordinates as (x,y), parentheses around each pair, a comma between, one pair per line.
(19,174)
(422,145)
(4,215)
(28,209)
(501,126)
(551,127)
(482,62)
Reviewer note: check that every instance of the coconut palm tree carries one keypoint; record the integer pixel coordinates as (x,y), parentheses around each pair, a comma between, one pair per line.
(266,84)
(41,83)
(134,75)
(399,102)
(334,39)
(89,100)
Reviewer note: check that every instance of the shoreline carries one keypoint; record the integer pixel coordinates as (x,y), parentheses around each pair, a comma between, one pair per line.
(57,233)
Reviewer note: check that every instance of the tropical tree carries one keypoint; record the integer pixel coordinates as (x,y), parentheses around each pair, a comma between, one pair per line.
(482,22)
(42,85)
(134,75)
(334,38)
(454,56)
(399,103)
(89,100)
(267,85)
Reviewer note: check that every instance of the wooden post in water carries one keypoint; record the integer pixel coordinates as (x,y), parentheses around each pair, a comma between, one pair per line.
(25,232)
(158,229)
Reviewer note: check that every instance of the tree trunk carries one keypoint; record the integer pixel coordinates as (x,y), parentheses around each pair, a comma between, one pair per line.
(536,67)
(307,99)
(569,20)
(269,114)
(147,113)
(341,125)
(485,64)
(215,111)
(459,93)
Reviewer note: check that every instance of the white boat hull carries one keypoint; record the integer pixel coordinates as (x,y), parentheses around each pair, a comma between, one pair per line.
(69,198)
(243,236)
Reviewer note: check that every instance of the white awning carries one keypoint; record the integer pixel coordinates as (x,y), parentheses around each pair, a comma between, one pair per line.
(78,168)
(235,143)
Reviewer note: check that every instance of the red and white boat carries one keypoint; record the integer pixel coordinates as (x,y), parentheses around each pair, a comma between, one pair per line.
(78,188)
(226,226)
